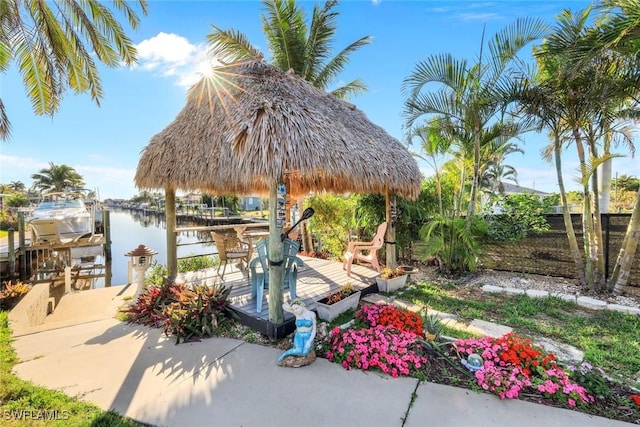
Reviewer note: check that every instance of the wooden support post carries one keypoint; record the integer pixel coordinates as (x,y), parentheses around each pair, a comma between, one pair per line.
(390,236)
(276,272)
(106,230)
(12,255)
(22,258)
(67,280)
(172,247)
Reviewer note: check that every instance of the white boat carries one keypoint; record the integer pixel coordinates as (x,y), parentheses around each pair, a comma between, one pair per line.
(60,218)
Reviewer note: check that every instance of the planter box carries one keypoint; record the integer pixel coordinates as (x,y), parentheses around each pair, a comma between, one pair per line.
(329,312)
(390,285)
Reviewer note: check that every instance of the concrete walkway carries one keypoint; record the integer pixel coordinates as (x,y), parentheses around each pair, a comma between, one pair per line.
(142,374)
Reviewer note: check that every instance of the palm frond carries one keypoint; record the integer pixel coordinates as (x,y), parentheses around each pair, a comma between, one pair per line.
(440,68)
(129,12)
(5,125)
(230,46)
(509,41)
(338,62)
(348,90)
(319,41)
(286,30)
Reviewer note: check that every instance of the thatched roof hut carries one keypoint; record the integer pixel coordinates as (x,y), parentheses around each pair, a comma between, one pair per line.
(251,125)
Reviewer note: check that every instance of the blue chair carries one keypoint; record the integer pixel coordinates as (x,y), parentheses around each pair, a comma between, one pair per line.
(260,269)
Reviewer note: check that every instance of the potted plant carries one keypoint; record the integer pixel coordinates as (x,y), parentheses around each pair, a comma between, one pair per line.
(337,302)
(391,279)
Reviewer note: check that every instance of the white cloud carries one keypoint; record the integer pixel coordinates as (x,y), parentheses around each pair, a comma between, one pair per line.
(173,56)
(486,16)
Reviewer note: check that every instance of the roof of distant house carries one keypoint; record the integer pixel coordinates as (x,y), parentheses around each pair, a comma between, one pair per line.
(510,188)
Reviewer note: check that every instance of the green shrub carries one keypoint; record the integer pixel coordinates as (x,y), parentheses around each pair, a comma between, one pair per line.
(452,243)
(8,220)
(331,221)
(522,215)
(196,263)
(158,272)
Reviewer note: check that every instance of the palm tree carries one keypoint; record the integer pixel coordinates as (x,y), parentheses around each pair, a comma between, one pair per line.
(57,178)
(494,170)
(17,186)
(472,96)
(294,45)
(55,43)
(621,33)
(580,94)
(538,99)
(434,146)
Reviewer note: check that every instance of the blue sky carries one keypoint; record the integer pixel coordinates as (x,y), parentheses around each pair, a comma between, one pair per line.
(104,143)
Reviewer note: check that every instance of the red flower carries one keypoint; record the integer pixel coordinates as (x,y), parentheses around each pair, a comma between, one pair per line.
(635,398)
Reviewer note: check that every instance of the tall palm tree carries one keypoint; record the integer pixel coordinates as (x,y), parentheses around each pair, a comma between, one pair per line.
(620,31)
(306,49)
(433,146)
(592,94)
(471,96)
(494,170)
(55,43)
(17,186)
(57,178)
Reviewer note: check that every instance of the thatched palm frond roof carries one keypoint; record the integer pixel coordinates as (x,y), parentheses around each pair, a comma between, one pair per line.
(252,125)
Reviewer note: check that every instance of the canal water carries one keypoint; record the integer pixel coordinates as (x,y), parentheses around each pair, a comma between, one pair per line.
(132,228)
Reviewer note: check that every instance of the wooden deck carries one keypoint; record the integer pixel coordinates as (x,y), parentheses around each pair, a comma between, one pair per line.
(315,280)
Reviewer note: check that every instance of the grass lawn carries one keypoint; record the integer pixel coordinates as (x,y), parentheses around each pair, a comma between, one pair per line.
(610,340)
(23,403)
(3,233)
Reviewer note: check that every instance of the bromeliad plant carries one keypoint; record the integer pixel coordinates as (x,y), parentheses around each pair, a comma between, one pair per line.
(187,311)
(512,363)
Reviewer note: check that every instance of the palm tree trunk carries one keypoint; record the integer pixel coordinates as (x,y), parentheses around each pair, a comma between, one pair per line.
(587,220)
(597,246)
(439,191)
(390,235)
(574,249)
(474,182)
(605,177)
(170,219)
(622,269)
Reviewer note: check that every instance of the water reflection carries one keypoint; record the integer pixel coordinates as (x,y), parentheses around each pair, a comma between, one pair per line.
(129,229)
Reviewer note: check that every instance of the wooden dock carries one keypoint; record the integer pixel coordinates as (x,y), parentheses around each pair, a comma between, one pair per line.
(315,280)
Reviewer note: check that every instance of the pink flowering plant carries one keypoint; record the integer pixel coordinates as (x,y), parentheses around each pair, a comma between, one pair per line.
(375,348)
(374,343)
(512,363)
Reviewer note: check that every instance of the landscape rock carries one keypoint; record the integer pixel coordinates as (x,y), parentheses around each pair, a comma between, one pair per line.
(592,303)
(535,293)
(298,361)
(624,309)
(564,352)
(489,328)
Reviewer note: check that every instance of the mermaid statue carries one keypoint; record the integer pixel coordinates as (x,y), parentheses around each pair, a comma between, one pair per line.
(305,329)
